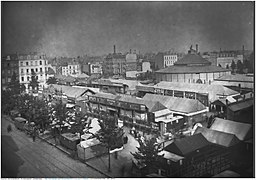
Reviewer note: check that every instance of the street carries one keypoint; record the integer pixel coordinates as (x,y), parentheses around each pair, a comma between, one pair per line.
(23,158)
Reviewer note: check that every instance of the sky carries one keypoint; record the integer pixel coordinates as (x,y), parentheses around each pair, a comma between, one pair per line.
(78,28)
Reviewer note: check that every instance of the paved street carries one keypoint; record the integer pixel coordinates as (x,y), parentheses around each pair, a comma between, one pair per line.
(21,157)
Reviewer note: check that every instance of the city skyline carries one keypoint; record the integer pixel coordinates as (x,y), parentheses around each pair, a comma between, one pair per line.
(79,28)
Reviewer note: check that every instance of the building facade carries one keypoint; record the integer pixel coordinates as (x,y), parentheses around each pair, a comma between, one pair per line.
(114,64)
(72,69)
(131,61)
(36,63)
(10,65)
(225,58)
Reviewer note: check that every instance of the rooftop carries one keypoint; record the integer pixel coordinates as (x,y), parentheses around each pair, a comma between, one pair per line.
(184,146)
(191,69)
(182,105)
(192,59)
(236,78)
(218,137)
(241,130)
(237,106)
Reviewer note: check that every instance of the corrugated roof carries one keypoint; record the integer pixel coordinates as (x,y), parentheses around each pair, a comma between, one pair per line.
(214,90)
(130,83)
(218,137)
(187,145)
(191,69)
(249,85)
(241,130)
(191,59)
(237,106)
(182,105)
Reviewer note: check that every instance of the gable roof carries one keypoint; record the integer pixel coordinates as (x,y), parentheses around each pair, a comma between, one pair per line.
(182,105)
(242,131)
(187,145)
(192,59)
(218,137)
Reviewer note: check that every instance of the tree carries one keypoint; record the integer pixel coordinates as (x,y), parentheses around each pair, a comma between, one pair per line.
(233,66)
(14,86)
(240,66)
(51,80)
(110,135)
(148,153)
(34,83)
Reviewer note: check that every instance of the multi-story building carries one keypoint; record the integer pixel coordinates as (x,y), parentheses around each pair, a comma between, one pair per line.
(131,61)
(33,62)
(72,68)
(114,64)
(225,58)
(10,65)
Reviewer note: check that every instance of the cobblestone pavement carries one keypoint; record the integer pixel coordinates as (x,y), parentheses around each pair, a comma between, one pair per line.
(38,159)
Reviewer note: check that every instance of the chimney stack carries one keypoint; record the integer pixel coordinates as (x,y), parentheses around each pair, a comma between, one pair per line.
(196,48)
(114,49)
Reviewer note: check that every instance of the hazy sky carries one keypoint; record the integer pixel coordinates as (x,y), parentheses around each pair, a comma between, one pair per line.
(78,28)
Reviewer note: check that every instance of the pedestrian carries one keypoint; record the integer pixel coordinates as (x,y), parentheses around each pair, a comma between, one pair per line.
(9,128)
(34,134)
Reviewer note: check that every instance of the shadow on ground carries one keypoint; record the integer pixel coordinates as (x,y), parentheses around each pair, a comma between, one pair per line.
(10,161)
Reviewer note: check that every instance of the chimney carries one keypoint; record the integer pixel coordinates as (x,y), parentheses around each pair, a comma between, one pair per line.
(130,51)
(196,48)
(114,49)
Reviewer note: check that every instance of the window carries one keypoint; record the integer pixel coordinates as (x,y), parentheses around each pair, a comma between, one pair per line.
(45,69)
(41,69)
(36,63)
(32,70)
(9,80)
(31,63)
(9,72)
(3,80)
(22,79)
(36,77)
(8,64)
(27,70)
(36,69)
(27,78)
(21,71)
(26,63)
(45,62)
(40,62)
(21,63)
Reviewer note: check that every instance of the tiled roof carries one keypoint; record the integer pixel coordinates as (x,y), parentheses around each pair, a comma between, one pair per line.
(191,69)
(241,130)
(81,76)
(182,105)
(213,90)
(50,71)
(191,59)
(236,106)
(187,145)
(218,137)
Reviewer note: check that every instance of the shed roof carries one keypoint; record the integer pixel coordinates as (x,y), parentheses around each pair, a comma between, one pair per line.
(218,137)
(241,130)
(69,91)
(182,105)
(187,145)
(214,91)
(236,78)
(240,105)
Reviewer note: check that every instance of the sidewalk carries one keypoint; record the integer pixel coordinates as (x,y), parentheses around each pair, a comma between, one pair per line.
(120,167)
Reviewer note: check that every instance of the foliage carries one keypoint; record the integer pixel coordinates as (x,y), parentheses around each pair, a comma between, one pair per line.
(233,66)
(61,113)
(14,86)
(240,66)
(51,80)
(148,152)
(110,134)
